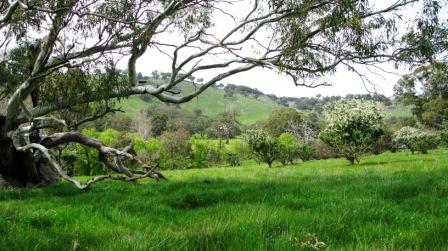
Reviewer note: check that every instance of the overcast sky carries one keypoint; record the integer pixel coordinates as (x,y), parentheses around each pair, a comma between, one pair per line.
(343,82)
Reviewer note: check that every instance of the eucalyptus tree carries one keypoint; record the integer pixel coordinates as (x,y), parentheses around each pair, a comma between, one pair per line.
(426,89)
(61,55)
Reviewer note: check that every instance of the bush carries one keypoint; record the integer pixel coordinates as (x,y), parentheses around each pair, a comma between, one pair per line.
(354,126)
(176,149)
(264,148)
(384,143)
(305,152)
(415,139)
(444,137)
(233,159)
(215,156)
(288,148)
(87,158)
(200,149)
(149,151)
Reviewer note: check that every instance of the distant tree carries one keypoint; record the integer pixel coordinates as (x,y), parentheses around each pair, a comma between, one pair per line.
(426,89)
(155,74)
(225,126)
(353,127)
(272,97)
(283,120)
(158,123)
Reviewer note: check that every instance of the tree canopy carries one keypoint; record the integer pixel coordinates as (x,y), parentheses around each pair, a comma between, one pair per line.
(426,89)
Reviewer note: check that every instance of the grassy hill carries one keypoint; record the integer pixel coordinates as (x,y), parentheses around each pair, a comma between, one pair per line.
(388,202)
(212,102)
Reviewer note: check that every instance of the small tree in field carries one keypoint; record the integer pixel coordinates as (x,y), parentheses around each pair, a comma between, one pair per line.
(353,127)
(263,147)
(288,148)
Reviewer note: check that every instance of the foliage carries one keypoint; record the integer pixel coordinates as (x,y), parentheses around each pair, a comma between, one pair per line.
(87,159)
(281,120)
(444,137)
(225,126)
(415,139)
(396,123)
(200,150)
(149,151)
(427,90)
(354,126)
(176,149)
(288,148)
(305,152)
(233,159)
(263,147)
(385,142)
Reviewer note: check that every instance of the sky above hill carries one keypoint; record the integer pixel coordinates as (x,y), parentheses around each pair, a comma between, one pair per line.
(342,82)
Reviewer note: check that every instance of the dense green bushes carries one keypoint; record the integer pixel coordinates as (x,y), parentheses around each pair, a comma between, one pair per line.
(284,149)
(415,139)
(172,150)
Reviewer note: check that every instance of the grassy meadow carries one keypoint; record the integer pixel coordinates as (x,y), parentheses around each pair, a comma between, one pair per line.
(388,202)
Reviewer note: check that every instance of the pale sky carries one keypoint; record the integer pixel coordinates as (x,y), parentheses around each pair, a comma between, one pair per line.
(269,82)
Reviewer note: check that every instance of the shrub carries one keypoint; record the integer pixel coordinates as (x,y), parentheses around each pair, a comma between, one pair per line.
(415,139)
(215,156)
(200,149)
(238,146)
(305,152)
(264,148)
(288,148)
(149,151)
(444,137)
(354,125)
(233,159)
(87,158)
(176,149)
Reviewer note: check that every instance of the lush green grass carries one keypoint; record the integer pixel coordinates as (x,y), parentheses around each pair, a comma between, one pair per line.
(388,202)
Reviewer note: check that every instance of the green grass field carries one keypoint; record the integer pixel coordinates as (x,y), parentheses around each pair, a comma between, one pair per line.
(388,202)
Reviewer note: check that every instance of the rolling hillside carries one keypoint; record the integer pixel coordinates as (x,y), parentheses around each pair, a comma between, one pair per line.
(212,102)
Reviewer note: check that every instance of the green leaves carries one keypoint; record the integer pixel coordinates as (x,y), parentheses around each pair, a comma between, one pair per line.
(354,125)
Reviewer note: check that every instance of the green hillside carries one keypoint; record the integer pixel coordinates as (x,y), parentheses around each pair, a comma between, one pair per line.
(212,102)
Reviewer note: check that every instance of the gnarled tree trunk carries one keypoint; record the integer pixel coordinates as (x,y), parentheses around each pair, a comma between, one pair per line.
(18,168)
